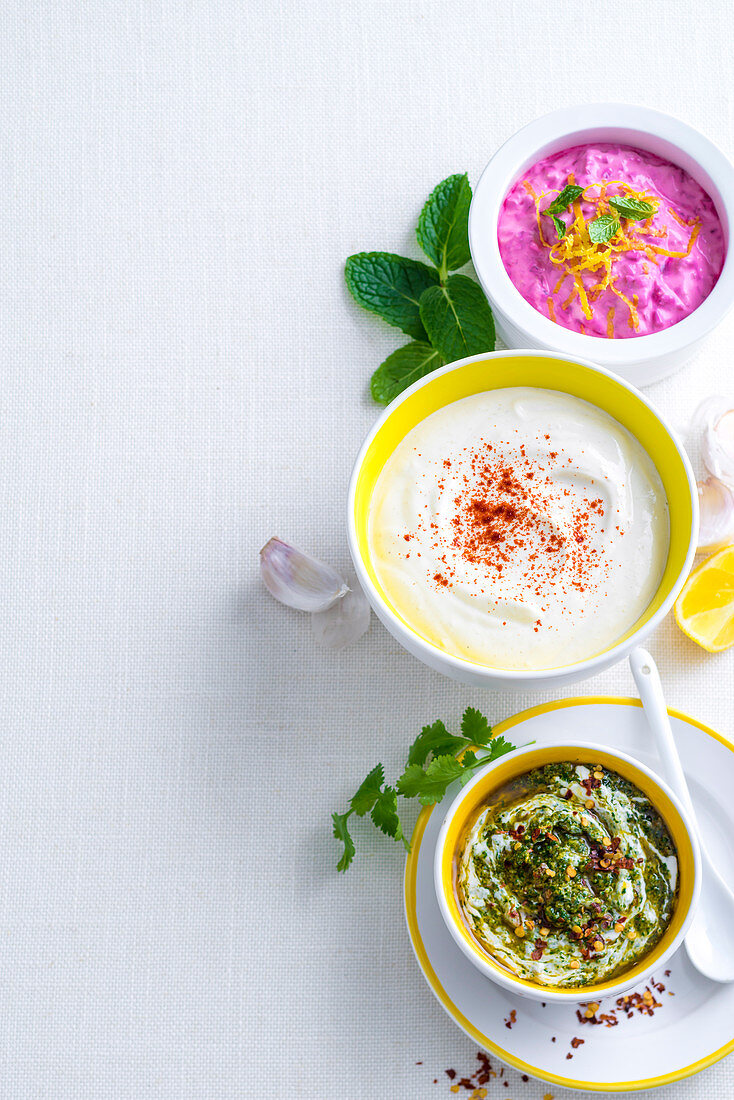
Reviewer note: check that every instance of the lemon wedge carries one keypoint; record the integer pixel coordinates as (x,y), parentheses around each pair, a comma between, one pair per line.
(704,609)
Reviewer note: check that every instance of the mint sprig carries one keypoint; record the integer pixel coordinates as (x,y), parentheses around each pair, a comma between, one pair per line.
(447,315)
(432,766)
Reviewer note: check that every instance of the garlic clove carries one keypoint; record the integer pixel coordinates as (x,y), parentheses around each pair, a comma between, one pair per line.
(716,506)
(714,417)
(344,622)
(297,579)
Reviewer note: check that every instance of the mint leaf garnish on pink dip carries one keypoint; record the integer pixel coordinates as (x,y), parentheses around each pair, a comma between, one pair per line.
(568,195)
(637,210)
(561,227)
(611,241)
(447,315)
(603,228)
(432,765)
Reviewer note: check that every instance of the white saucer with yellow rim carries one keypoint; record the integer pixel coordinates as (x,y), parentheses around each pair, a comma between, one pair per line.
(694,1023)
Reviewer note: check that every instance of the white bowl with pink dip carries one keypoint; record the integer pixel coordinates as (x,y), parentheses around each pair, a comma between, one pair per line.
(679,297)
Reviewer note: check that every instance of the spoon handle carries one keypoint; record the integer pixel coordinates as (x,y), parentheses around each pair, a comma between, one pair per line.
(650,688)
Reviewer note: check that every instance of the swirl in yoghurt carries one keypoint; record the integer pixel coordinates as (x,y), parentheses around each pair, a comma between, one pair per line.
(569,876)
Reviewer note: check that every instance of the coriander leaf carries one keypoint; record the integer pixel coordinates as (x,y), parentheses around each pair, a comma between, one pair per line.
(401,369)
(443,224)
(364,798)
(341,832)
(442,771)
(603,228)
(561,203)
(429,785)
(390,286)
(475,727)
(411,781)
(469,759)
(561,227)
(637,210)
(434,739)
(457,318)
(385,815)
(497,747)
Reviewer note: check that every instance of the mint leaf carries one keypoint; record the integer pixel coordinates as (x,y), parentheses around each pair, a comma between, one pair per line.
(561,227)
(364,798)
(385,815)
(475,727)
(637,210)
(390,286)
(561,203)
(443,224)
(434,739)
(603,228)
(401,369)
(457,318)
(341,832)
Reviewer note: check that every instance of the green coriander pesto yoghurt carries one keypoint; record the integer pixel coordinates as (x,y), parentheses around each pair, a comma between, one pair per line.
(568,876)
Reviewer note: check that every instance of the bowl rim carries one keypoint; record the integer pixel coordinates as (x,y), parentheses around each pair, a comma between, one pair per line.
(459,666)
(526,146)
(535,991)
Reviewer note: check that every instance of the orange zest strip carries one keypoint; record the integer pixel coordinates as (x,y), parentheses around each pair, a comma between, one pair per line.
(679,255)
(634,316)
(681,221)
(588,314)
(575,253)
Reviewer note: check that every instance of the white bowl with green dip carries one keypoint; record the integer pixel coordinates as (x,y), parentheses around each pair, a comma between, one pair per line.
(567,872)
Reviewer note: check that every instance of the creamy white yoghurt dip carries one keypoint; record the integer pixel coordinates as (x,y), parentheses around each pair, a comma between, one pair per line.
(520,528)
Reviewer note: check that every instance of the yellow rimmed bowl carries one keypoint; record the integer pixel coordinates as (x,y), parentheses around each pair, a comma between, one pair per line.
(468,803)
(542,370)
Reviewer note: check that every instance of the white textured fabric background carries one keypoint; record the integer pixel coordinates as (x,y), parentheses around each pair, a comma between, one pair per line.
(184,375)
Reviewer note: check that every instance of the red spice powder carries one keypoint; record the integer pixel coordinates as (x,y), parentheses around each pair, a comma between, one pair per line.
(501,519)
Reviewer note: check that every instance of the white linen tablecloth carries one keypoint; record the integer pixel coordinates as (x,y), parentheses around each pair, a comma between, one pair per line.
(183,376)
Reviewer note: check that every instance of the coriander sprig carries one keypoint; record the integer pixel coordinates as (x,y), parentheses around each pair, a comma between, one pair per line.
(432,765)
(447,316)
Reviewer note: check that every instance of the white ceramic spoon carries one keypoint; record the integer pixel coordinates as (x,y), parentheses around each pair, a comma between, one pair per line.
(710,939)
